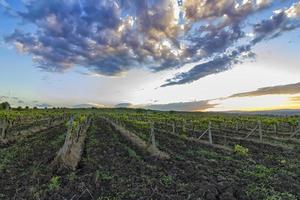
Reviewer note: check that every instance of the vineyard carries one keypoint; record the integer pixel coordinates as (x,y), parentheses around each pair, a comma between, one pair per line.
(105,154)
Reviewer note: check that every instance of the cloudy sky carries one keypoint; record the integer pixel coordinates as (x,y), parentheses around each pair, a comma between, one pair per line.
(209,55)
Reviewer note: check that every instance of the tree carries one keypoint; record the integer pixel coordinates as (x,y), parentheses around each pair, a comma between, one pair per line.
(4,106)
(19,108)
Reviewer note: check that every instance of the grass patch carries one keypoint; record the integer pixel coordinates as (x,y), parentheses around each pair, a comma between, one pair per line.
(255,191)
(259,171)
(54,183)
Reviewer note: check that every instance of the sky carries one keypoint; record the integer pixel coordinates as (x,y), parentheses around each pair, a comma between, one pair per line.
(194,55)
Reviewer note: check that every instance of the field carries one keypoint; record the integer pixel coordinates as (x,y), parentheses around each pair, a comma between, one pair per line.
(142,154)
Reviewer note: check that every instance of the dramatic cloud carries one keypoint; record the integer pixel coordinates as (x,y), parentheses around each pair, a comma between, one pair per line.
(109,37)
(275,90)
(280,22)
(183,106)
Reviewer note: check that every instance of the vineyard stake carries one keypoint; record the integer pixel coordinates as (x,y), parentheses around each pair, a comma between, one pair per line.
(260,131)
(3,129)
(152,135)
(173,127)
(209,133)
(183,126)
(297,131)
(275,128)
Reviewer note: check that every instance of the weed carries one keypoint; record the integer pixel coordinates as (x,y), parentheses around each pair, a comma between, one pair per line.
(240,150)
(259,171)
(54,183)
(179,157)
(102,176)
(167,180)
(132,153)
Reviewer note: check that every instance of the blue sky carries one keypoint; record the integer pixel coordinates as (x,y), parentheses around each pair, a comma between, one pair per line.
(103,53)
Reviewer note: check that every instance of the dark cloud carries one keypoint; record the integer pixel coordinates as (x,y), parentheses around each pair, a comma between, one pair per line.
(123,105)
(274,27)
(85,105)
(273,90)
(109,37)
(216,65)
(183,106)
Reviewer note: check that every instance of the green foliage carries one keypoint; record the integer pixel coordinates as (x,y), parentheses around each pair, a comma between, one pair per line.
(102,176)
(256,191)
(259,171)
(167,180)
(54,183)
(4,106)
(132,153)
(240,150)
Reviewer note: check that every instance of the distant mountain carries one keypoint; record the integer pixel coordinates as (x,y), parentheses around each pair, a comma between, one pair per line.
(270,112)
(89,105)
(44,105)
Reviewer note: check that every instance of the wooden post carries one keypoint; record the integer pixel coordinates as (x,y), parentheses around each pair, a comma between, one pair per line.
(71,123)
(183,127)
(275,128)
(152,135)
(3,126)
(237,127)
(292,128)
(209,133)
(50,122)
(193,129)
(260,131)
(173,127)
